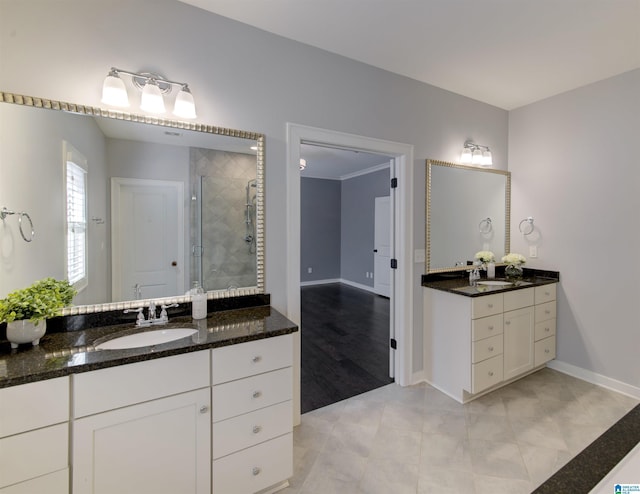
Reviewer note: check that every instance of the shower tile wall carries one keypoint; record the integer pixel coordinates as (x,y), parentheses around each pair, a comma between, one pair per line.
(228,259)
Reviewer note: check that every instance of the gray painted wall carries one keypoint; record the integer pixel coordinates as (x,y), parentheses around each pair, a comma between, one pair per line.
(358,214)
(319,229)
(575,170)
(285,82)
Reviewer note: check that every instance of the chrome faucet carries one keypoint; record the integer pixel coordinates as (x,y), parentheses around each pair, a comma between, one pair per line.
(152,320)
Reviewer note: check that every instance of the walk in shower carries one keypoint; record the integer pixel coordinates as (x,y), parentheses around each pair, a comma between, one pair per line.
(223,219)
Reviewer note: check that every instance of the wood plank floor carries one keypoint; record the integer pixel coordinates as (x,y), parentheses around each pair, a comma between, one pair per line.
(345,343)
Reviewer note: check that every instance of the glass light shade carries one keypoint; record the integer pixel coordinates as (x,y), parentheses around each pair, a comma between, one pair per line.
(152,100)
(303,164)
(476,157)
(465,155)
(487,160)
(185,107)
(113,91)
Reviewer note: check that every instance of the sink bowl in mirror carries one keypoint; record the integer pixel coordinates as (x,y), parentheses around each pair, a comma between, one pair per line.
(147,338)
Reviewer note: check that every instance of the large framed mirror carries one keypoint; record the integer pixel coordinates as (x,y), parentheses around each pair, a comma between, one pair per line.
(129,207)
(468,209)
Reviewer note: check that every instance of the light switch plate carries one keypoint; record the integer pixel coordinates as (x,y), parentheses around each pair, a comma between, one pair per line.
(533,251)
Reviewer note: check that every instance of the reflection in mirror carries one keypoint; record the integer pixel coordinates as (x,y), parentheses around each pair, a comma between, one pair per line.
(166,203)
(468,210)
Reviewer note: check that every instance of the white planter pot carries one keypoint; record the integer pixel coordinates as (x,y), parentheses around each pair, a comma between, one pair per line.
(24,331)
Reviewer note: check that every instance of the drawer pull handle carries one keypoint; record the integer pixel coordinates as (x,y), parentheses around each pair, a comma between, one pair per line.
(547,329)
(256,359)
(257,429)
(490,306)
(257,394)
(547,293)
(491,349)
(490,328)
(256,471)
(546,350)
(547,312)
(490,373)
(204,409)
(507,322)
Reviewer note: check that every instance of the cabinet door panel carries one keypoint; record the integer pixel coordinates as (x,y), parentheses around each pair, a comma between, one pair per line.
(161,446)
(487,373)
(518,342)
(545,293)
(486,326)
(518,299)
(545,311)
(487,305)
(545,329)
(52,483)
(487,348)
(545,350)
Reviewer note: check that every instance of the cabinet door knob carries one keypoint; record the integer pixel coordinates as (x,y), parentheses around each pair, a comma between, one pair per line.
(507,322)
(490,306)
(490,328)
(256,471)
(256,359)
(257,394)
(491,349)
(547,293)
(490,373)
(546,350)
(547,329)
(257,429)
(204,409)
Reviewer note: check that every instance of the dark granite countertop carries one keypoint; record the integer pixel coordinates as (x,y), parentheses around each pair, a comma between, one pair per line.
(458,282)
(62,353)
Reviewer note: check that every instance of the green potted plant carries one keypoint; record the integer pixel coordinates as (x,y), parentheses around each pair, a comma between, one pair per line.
(26,310)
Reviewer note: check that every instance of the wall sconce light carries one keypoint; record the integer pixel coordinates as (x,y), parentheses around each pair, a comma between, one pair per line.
(303,164)
(476,154)
(153,87)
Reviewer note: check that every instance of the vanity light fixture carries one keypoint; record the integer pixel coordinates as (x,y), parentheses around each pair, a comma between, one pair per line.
(153,87)
(475,154)
(303,164)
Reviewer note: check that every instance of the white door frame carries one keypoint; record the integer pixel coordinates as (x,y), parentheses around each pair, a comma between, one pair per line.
(402,248)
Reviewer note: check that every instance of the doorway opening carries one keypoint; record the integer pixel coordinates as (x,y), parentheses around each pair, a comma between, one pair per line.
(401,279)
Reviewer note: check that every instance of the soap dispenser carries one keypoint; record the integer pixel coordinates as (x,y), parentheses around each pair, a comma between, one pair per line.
(198,301)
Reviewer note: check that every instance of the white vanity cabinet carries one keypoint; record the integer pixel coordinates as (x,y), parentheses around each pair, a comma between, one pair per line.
(143,427)
(34,438)
(473,344)
(252,415)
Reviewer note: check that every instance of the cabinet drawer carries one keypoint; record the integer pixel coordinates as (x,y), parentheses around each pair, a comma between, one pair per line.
(545,329)
(518,299)
(544,350)
(31,454)
(252,428)
(486,374)
(487,305)
(545,293)
(247,359)
(115,387)
(486,326)
(34,405)
(545,311)
(252,393)
(256,468)
(484,349)
(52,483)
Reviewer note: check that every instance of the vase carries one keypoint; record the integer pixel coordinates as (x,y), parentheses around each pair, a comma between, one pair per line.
(25,331)
(513,271)
(491,270)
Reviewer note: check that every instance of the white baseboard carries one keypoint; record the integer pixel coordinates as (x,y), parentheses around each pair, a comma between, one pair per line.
(595,378)
(419,377)
(338,280)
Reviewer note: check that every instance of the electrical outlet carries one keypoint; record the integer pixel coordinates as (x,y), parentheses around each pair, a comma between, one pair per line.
(533,251)
(309,270)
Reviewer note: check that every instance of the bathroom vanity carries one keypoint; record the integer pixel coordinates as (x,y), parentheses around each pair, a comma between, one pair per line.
(479,338)
(76,419)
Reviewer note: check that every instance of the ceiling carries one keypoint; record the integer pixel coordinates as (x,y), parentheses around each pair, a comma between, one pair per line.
(507,53)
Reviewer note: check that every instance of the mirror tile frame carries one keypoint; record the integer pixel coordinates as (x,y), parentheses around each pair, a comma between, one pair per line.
(48,104)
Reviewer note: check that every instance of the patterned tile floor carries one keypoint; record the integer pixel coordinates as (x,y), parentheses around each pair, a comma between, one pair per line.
(417,440)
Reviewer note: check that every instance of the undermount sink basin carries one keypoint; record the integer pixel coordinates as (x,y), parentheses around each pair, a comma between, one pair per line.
(148,338)
(495,283)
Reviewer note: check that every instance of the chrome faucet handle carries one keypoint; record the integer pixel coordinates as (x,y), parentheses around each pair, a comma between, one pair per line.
(163,313)
(140,316)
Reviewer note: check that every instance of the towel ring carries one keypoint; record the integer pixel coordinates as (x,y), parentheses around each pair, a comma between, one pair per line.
(25,215)
(6,212)
(485,226)
(528,226)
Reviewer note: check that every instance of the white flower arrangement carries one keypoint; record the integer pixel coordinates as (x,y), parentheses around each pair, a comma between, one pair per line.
(514,259)
(485,256)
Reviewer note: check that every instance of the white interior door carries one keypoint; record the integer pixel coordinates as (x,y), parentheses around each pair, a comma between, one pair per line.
(382,247)
(147,238)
